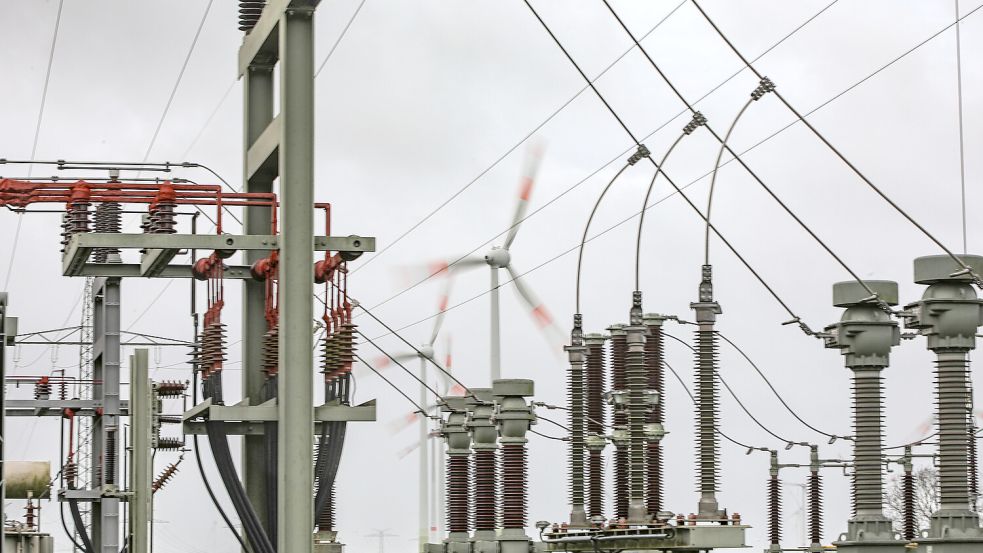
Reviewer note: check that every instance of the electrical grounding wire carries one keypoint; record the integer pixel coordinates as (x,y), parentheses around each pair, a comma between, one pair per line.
(741,162)
(966,268)
(177,83)
(549,437)
(962,148)
(923,441)
(419,409)
(420,353)
(696,116)
(645,201)
(690,394)
(400,365)
(744,408)
(37,134)
(553,422)
(588,419)
(778,395)
(590,218)
(509,151)
(619,155)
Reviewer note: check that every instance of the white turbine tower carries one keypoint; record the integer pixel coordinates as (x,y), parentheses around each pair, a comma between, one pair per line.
(425,353)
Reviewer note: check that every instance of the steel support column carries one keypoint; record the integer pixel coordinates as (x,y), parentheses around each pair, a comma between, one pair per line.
(257,115)
(106,429)
(140,426)
(295,475)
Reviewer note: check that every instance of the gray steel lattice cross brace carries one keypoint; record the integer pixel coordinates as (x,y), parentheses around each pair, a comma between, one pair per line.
(865,335)
(141,428)
(104,445)
(258,86)
(949,316)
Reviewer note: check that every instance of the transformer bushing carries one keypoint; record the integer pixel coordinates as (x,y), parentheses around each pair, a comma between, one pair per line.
(595,424)
(638,405)
(655,369)
(485,445)
(948,315)
(815,501)
(619,349)
(707,400)
(774,505)
(454,430)
(865,336)
(577,354)
(514,416)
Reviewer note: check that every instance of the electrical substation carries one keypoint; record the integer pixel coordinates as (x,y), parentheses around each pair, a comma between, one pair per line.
(276,436)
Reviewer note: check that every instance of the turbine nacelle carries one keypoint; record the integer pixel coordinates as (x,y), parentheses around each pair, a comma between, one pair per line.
(498,258)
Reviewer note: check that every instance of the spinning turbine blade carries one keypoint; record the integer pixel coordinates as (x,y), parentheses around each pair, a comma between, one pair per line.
(533,158)
(538,310)
(442,309)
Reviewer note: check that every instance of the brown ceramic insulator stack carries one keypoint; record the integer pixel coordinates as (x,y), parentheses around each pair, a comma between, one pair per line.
(42,388)
(325,521)
(774,510)
(213,347)
(707,409)
(171,388)
(271,351)
(346,347)
(162,217)
(70,471)
(249,12)
(107,219)
(619,349)
(595,424)
(513,492)
(164,477)
(485,500)
(109,458)
(78,217)
(974,476)
(170,444)
(908,499)
(655,367)
(458,481)
(815,508)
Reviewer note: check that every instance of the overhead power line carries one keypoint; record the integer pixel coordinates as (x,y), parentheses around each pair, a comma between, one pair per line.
(977,278)
(37,135)
(620,155)
(754,146)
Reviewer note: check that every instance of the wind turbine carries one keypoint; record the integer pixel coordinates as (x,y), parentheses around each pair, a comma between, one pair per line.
(381,535)
(500,257)
(426,354)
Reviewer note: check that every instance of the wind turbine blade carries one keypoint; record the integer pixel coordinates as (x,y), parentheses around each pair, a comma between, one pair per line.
(398,425)
(533,158)
(540,314)
(407,450)
(442,309)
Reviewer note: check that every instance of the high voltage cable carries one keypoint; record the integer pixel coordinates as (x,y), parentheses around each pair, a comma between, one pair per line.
(968,270)
(37,134)
(620,154)
(705,175)
(338,40)
(511,149)
(962,148)
(724,145)
(177,83)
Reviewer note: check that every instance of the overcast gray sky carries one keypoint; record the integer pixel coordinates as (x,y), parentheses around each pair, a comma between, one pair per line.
(420,97)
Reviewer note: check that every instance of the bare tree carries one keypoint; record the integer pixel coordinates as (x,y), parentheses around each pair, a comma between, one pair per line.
(926,497)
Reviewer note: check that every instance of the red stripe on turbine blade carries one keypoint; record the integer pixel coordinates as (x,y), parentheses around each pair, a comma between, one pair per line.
(458,390)
(443,303)
(382,362)
(526,189)
(438,267)
(543,318)
(447,362)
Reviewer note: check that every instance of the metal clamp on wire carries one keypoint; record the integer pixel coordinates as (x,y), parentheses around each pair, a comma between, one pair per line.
(764,87)
(640,154)
(696,122)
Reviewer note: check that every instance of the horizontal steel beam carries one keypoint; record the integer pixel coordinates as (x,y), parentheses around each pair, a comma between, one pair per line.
(155,261)
(126,270)
(239,428)
(262,43)
(267,412)
(54,407)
